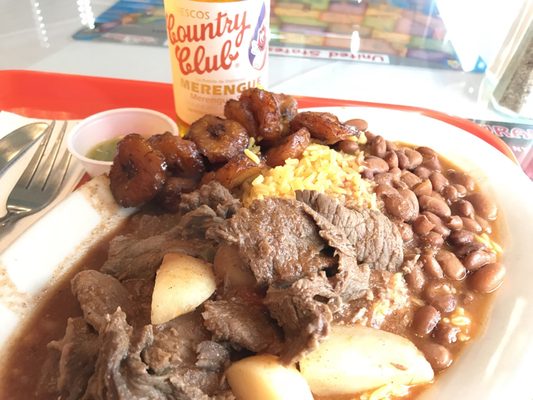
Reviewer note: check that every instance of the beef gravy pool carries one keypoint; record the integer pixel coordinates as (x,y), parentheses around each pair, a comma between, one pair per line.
(25,362)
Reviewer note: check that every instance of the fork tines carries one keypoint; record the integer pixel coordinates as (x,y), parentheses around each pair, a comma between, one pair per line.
(47,173)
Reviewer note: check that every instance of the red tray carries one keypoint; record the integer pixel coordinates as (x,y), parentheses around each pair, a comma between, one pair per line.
(60,96)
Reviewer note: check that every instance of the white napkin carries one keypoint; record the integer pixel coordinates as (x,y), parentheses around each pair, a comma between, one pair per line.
(8,123)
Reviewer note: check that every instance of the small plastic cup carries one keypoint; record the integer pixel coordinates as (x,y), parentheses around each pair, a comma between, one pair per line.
(110,124)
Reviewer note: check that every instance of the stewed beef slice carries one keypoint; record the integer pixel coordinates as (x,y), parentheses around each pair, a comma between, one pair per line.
(125,371)
(120,373)
(351,281)
(242,324)
(133,258)
(205,208)
(195,223)
(212,195)
(276,239)
(74,358)
(376,239)
(304,310)
(100,294)
(137,256)
(212,356)
(175,343)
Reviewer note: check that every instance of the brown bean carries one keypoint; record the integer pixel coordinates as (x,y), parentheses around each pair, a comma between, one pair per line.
(422,225)
(404,206)
(471,225)
(438,181)
(423,188)
(461,178)
(422,172)
(485,225)
(391,158)
(442,230)
(451,265)
(438,196)
(360,124)
(403,160)
(348,146)
(432,217)
(409,179)
(427,152)
(461,190)
(385,189)
(450,193)
(396,173)
(445,303)
(378,147)
(478,258)
(432,240)
(463,251)
(414,157)
(376,165)
(434,205)
(484,205)
(416,278)
(425,320)
(487,279)
(461,237)
(369,135)
(383,178)
(454,222)
(367,174)
(464,208)
(400,185)
(432,164)
(438,356)
(406,232)
(439,225)
(446,333)
(431,266)
(392,146)
(436,288)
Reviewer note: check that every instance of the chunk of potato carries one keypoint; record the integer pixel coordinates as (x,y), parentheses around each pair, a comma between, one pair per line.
(263,377)
(353,359)
(228,267)
(182,283)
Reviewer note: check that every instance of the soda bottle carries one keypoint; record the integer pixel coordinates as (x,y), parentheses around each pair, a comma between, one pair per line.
(217,50)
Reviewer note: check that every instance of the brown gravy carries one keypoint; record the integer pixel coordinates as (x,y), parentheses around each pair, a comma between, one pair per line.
(20,375)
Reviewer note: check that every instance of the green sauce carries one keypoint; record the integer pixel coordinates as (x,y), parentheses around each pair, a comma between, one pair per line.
(104,151)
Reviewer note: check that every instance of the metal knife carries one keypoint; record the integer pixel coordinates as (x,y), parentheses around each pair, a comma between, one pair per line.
(16,143)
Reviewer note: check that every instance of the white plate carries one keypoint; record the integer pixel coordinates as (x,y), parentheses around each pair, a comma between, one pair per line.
(496,366)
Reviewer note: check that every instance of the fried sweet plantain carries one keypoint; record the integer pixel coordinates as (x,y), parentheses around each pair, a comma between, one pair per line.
(240,111)
(288,108)
(218,139)
(182,156)
(239,169)
(138,172)
(291,146)
(323,126)
(265,108)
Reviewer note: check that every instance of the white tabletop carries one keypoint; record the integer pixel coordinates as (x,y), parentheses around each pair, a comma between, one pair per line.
(38,36)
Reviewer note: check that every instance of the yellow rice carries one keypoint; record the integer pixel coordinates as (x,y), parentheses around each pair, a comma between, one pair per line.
(320,168)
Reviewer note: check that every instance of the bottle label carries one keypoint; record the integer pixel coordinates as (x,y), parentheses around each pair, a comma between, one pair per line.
(217,50)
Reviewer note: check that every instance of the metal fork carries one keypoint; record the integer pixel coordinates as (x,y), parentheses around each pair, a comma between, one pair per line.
(40,182)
